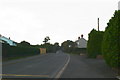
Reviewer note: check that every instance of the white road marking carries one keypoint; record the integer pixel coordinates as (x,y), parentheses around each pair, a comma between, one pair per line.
(62,70)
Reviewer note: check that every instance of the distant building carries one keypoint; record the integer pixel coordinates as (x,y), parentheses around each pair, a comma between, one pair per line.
(81,42)
(7,40)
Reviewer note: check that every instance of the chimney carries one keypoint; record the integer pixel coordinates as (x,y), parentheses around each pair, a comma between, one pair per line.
(82,36)
(78,38)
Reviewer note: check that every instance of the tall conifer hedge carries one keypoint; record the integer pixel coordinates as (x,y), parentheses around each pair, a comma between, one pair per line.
(94,43)
(111,41)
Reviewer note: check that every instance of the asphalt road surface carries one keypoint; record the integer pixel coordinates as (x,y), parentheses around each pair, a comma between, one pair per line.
(57,65)
(83,67)
(40,66)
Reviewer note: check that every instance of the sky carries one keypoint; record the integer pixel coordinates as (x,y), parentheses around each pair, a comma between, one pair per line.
(61,20)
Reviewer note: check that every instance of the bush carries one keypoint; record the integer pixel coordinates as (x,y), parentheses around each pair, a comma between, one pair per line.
(49,47)
(111,41)
(94,43)
(15,51)
(68,46)
(79,50)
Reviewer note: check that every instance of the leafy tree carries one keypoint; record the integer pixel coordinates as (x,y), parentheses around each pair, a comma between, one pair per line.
(24,43)
(56,46)
(49,47)
(46,39)
(68,45)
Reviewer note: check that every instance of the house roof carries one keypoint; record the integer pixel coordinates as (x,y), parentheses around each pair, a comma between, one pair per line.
(9,41)
(2,38)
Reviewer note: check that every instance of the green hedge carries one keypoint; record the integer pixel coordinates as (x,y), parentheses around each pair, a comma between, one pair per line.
(50,48)
(111,41)
(16,51)
(79,50)
(94,43)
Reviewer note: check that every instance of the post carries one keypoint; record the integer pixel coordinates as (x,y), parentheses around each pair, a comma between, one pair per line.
(1,60)
(119,5)
(98,24)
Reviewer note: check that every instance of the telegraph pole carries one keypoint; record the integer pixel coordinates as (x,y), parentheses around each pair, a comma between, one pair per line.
(98,24)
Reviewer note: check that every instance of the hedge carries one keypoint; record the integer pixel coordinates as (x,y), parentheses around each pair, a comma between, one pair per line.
(16,51)
(79,50)
(94,43)
(111,41)
(49,47)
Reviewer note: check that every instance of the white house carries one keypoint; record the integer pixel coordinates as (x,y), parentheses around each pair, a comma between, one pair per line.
(7,40)
(81,42)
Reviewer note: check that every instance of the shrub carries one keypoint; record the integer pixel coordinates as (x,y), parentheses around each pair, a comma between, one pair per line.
(79,50)
(15,51)
(68,46)
(49,47)
(94,43)
(111,41)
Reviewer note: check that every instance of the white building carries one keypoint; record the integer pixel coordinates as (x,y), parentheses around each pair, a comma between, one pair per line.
(81,42)
(7,40)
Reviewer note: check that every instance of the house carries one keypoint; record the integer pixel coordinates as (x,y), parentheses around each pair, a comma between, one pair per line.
(81,42)
(7,40)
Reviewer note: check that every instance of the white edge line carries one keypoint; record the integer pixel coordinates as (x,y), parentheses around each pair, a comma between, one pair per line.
(62,70)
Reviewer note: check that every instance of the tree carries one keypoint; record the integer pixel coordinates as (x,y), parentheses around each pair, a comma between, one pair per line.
(24,43)
(68,45)
(46,39)
(56,46)
(49,47)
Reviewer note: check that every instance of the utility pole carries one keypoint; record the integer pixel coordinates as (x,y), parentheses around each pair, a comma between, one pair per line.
(98,24)
(119,5)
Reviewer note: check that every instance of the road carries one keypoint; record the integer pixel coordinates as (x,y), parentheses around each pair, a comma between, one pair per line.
(40,66)
(57,65)
(83,67)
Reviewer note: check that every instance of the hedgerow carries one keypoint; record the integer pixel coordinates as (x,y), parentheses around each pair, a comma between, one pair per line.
(111,41)
(94,43)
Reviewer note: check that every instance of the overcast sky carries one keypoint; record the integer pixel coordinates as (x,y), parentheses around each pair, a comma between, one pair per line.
(33,20)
